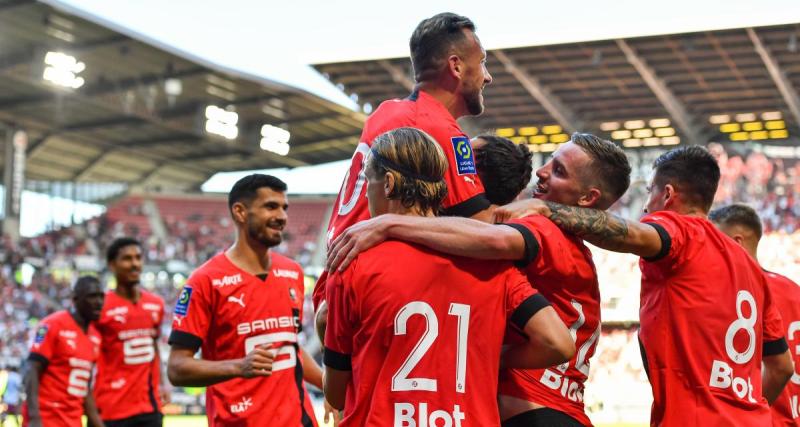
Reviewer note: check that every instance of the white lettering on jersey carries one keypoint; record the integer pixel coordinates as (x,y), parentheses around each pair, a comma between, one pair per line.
(68,334)
(407,414)
(119,311)
(242,406)
(239,300)
(267,324)
(151,306)
(227,281)
(292,274)
(135,333)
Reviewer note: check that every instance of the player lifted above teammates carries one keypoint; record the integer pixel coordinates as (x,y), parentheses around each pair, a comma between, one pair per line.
(450,69)
(707,318)
(414,335)
(587,171)
(244,309)
(59,366)
(129,386)
(743,225)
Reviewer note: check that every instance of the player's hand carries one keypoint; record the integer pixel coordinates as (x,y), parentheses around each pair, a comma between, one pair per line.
(356,239)
(519,209)
(258,363)
(166,394)
(331,415)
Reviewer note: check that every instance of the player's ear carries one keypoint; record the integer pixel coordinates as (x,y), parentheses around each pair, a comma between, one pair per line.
(670,195)
(388,184)
(239,212)
(455,66)
(590,199)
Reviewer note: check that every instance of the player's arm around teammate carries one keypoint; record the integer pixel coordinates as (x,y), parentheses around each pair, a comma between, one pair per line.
(186,371)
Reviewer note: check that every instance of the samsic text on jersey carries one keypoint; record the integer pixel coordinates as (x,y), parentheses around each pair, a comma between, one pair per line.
(228,312)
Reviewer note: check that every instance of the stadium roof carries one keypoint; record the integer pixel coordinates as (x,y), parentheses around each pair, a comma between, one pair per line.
(138,117)
(540,94)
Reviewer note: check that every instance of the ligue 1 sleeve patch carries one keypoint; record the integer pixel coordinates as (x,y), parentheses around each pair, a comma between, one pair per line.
(40,334)
(182,306)
(465,161)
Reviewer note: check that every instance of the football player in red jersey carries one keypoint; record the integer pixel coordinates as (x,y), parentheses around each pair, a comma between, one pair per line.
(707,318)
(742,224)
(59,366)
(129,389)
(450,71)
(587,171)
(401,347)
(243,308)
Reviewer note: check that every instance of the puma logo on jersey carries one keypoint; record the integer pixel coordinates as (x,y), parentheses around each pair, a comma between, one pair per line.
(292,274)
(116,385)
(177,319)
(227,281)
(239,300)
(469,180)
(120,319)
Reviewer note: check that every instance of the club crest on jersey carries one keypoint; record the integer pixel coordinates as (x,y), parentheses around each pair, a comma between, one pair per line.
(465,160)
(182,306)
(40,334)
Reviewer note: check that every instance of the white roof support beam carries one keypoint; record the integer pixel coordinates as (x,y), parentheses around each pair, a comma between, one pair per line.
(565,117)
(674,107)
(778,76)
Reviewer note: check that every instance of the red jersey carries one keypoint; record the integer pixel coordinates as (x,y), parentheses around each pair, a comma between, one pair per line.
(228,312)
(423,343)
(560,266)
(129,368)
(68,355)
(786,294)
(465,194)
(707,318)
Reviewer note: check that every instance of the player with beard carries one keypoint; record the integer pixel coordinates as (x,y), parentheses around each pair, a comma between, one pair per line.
(130,389)
(59,366)
(742,224)
(450,71)
(244,308)
(586,171)
(711,336)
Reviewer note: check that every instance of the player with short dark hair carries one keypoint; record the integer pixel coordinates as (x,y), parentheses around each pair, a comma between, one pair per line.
(742,224)
(558,264)
(707,318)
(450,68)
(401,346)
(58,371)
(129,390)
(244,308)
(504,167)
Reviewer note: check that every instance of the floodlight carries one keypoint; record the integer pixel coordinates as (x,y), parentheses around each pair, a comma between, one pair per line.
(221,122)
(62,70)
(719,119)
(275,139)
(609,126)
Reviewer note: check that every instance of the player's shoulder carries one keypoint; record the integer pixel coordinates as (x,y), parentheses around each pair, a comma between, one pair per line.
(213,267)
(781,283)
(150,298)
(665,216)
(56,318)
